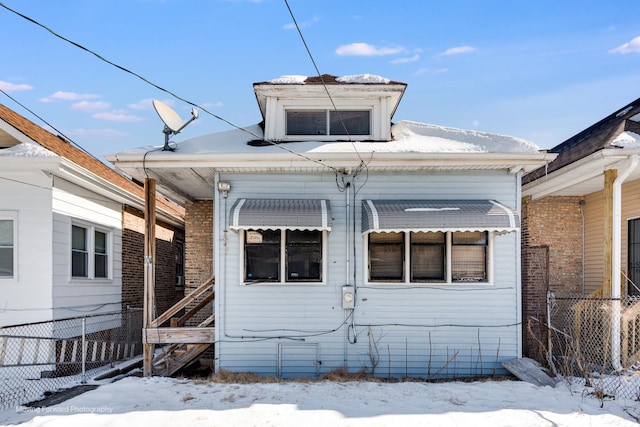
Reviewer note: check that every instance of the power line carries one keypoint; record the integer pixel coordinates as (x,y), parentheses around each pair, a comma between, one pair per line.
(163,89)
(45,122)
(313,61)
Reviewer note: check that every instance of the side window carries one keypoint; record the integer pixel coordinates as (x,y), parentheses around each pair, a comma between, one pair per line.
(90,252)
(304,256)
(7,248)
(428,260)
(283,256)
(101,257)
(469,256)
(425,257)
(79,253)
(386,257)
(262,255)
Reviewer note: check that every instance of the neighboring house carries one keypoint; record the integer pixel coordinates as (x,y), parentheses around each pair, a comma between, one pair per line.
(581,216)
(72,231)
(341,240)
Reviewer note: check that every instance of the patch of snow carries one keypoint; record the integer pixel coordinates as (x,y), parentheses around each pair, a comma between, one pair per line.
(627,139)
(169,402)
(27,149)
(363,78)
(289,80)
(433,138)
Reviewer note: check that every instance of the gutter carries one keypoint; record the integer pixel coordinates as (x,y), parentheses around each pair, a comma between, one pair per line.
(617,250)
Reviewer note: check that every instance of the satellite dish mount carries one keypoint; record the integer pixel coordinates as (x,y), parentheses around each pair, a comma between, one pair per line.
(173,124)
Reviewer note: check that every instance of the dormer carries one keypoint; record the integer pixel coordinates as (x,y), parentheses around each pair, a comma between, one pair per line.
(328,108)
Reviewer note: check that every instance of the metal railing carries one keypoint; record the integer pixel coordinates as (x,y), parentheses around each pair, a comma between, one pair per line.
(42,357)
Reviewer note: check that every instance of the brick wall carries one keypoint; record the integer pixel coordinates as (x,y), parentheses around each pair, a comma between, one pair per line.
(551,256)
(198,266)
(169,241)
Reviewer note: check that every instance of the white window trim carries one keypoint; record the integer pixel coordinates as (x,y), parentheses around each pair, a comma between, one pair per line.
(12,216)
(448,248)
(283,267)
(91,229)
(276,129)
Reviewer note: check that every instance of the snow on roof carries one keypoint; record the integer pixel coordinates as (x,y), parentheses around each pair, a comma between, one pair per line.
(294,79)
(627,139)
(363,78)
(291,79)
(408,137)
(26,149)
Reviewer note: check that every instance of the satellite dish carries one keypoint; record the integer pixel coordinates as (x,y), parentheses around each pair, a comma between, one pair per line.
(173,124)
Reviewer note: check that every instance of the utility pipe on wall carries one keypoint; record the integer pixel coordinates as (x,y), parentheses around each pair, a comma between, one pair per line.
(616,240)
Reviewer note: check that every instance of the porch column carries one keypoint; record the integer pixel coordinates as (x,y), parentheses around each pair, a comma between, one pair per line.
(607,256)
(149,271)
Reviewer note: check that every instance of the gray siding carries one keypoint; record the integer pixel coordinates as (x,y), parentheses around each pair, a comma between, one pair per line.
(403,330)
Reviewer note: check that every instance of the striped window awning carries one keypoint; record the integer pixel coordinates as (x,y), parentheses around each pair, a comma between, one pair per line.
(280,214)
(437,215)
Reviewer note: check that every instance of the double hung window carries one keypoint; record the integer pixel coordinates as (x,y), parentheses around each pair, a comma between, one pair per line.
(89,252)
(7,248)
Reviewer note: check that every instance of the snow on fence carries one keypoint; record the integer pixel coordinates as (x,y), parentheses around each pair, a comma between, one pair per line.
(42,357)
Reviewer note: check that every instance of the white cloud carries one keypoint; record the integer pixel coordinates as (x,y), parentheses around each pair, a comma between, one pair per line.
(12,87)
(428,70)
(96,134)
(405,60)
(212,104)
(90,106)
(365,49)
(69,96)
(631,47)
(118,116)
(143,104)
(304,24)
(458,50)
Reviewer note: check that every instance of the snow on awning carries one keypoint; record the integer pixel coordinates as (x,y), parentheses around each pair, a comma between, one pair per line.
(281,214)
(437,215)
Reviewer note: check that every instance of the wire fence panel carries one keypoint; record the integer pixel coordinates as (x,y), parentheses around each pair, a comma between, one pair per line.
(42,357)
(597,339)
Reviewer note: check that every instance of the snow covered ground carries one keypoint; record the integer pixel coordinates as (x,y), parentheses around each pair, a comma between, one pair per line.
(171,402)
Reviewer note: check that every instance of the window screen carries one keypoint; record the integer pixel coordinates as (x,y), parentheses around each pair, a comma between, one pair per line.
(79,255)
(6,248)
(386,256)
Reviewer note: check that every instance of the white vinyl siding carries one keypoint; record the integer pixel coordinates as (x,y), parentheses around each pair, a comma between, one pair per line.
(418,329)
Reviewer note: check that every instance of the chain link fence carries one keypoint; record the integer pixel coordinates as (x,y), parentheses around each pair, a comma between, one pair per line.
(597,341)
(40,357)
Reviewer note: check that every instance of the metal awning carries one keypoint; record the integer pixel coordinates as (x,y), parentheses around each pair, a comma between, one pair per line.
(437,215)
(281,214)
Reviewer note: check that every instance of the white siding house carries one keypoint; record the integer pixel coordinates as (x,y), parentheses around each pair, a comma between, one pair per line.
(342,240)
(61,226)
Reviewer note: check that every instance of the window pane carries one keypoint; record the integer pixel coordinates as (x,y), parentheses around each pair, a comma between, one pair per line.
(101,242)
(349,122)
(304,255)
(306,122)
(427,257)
(386,256)
(262,255)
(79,255)
(6,232)
(78,238)
(468,263)
(101,266)
(470,238)
(79,264)
(6,262)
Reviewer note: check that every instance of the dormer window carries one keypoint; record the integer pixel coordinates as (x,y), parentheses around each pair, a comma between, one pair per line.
(328,122)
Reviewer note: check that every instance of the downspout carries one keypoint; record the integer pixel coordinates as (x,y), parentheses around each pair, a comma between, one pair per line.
(616,254)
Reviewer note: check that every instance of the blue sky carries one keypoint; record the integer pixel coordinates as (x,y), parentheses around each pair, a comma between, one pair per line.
(541,70)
